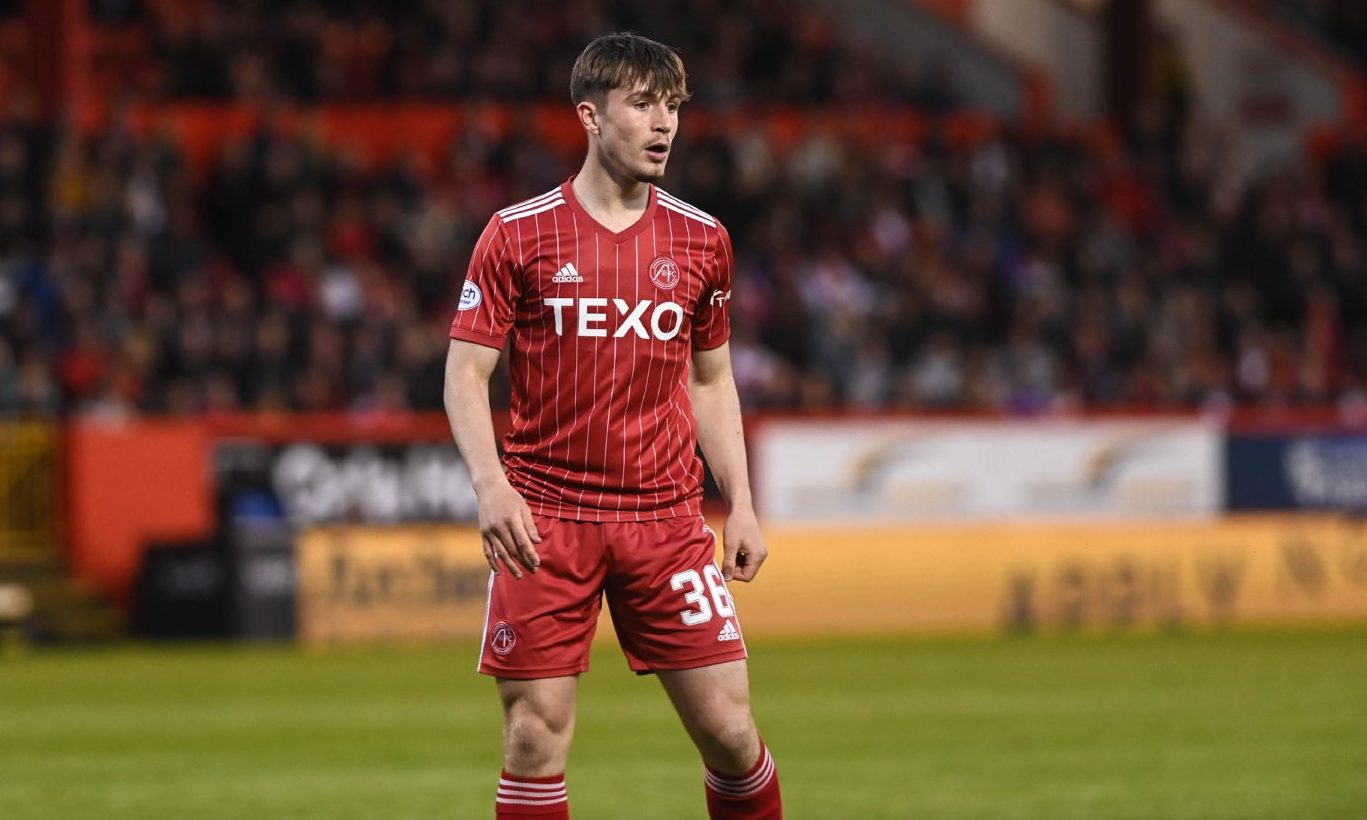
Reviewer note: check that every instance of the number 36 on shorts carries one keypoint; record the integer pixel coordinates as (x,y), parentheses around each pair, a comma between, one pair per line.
(699,611)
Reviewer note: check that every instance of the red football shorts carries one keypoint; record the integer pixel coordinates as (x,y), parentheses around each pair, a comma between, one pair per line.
(668,601)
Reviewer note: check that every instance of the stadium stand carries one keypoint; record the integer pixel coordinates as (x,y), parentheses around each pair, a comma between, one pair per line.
(1014,270)
(1340,22)
(429,49)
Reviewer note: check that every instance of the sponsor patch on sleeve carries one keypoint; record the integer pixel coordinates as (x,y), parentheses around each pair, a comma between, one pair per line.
(470,296)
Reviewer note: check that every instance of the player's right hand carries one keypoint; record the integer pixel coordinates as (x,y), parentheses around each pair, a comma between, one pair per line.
(508,531)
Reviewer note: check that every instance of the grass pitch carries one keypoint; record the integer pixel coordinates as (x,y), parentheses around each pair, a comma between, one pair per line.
(1229,726)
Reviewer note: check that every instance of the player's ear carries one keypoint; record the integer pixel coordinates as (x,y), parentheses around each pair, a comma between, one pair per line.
(588,116)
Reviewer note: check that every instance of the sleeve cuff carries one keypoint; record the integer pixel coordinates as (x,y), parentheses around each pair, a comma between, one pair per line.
(464,335)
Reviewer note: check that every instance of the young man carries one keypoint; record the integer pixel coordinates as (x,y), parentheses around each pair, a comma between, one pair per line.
(615,295)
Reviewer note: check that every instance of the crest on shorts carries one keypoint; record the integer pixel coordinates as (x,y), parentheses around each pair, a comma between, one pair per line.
(503,639)
(664,273)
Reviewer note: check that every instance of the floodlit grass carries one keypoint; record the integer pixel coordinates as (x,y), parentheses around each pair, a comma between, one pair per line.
(1231,726)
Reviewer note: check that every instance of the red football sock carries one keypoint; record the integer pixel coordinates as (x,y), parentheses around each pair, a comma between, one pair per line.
(752,795)
(543,798)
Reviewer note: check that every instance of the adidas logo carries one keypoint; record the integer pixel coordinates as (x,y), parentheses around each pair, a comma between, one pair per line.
(729,632)
(567,276)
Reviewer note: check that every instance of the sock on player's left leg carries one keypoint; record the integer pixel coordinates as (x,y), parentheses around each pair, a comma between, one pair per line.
(542,798)
(752,795)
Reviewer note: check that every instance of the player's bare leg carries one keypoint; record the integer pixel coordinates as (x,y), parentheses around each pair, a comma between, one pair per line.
(538,726)
(714,704)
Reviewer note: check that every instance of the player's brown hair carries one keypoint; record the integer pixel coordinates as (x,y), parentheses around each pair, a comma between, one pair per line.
(627,60)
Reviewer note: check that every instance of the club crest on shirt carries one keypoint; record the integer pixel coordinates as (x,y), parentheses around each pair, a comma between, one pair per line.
(470,296)
(664,273)
(503,639)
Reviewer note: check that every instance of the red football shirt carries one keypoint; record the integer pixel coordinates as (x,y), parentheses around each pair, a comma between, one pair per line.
(602,327)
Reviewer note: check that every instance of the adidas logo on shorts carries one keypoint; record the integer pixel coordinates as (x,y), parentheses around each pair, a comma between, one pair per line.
(729,632)
(567,275)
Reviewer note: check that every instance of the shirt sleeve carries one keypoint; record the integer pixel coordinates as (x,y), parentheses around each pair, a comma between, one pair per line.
(490,290)
(712,314)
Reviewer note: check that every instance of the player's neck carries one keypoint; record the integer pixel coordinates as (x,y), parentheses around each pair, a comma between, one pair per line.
(615,201)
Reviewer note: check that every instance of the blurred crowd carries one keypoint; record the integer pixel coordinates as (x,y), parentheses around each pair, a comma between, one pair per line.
(1049,273)
(738,51)
(1342,23)
(1010,271)
(1000,273)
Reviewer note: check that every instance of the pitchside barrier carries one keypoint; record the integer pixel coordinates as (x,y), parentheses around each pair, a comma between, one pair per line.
(934,526)
(410,584)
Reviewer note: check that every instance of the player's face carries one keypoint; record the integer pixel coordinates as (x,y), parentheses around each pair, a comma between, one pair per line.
(636,131)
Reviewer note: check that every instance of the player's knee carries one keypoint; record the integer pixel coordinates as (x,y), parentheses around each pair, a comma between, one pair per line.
(534,741)
(731,740)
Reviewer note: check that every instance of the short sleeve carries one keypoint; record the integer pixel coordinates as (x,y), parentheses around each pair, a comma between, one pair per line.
(712,314)
(489,293)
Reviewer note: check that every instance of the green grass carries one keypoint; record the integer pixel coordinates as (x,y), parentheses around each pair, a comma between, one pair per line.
(1231,726)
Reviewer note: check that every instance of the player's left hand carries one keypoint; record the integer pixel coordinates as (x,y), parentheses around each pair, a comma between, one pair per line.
(743,549)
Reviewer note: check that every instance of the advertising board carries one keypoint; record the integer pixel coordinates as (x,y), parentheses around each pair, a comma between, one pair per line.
(1286,472)
(410,584)
(983,579)
(310,483)
(389,584)
(906,470)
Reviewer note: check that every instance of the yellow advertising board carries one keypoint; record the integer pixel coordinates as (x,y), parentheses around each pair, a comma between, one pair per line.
(390,584)
(1059,578)
(416,584)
